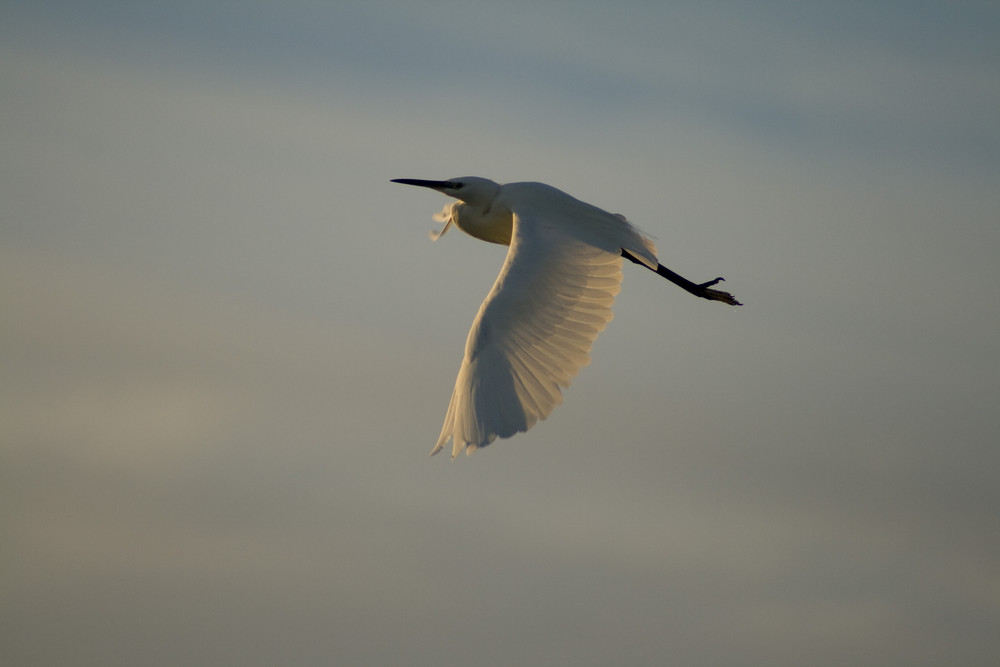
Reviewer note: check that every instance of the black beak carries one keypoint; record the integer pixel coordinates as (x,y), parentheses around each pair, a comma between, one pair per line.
(433,185)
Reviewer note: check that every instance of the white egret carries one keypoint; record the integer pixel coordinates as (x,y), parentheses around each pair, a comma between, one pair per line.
(553,296)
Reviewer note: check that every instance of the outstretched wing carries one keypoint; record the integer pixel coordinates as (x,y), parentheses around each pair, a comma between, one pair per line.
(532,335)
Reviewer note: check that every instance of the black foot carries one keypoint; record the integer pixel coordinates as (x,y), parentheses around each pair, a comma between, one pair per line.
(716,295)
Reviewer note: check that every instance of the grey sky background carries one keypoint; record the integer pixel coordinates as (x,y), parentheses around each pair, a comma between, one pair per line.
(227,343)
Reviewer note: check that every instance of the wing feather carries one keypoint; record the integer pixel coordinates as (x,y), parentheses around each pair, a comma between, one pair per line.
(532,334)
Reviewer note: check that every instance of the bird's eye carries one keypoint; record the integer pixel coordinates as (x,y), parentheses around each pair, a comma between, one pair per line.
(456,186)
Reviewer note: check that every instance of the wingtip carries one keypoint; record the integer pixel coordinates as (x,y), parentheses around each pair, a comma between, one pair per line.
(455,450)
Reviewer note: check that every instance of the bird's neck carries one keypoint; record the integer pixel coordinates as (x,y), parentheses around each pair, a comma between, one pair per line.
(493,225)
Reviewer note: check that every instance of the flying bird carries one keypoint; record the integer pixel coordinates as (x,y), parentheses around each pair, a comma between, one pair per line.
(553,296)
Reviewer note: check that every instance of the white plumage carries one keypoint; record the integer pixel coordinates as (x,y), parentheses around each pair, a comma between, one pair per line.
(552,298)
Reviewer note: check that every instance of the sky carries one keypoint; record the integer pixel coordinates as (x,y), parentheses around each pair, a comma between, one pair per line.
(227,343)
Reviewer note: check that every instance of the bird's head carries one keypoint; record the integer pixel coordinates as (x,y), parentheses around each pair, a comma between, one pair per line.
(474,191)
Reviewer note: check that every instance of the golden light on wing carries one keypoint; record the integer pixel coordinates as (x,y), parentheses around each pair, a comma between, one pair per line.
(531,336)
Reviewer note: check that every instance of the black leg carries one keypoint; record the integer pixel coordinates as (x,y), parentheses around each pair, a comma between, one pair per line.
(682,282)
